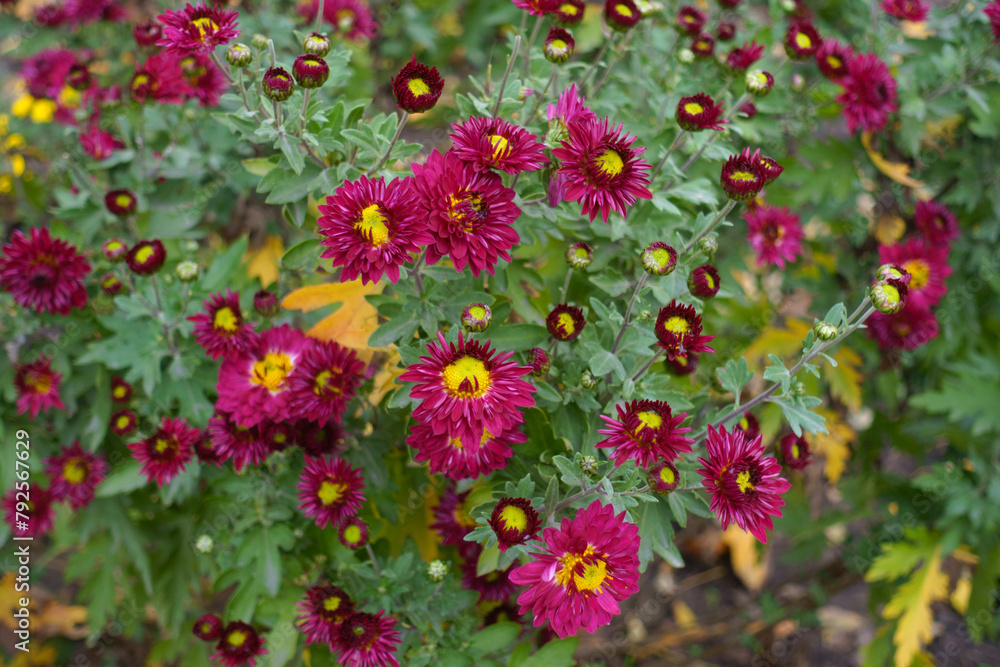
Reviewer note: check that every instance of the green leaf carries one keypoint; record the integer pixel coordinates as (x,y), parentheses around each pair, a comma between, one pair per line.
(734,376)
(494,637)
(799,416)
(604,362)
(225,265)
(397,329)
(571,473)
(518,337)
(557,653)
(965,398)
(302,255)
(289,146)
(124,479)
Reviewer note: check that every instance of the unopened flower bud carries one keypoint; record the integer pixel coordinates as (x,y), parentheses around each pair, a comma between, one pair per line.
(310,71)
(709,245)
(78,77)
(265,303)
(645,316)
(187,271)
(579,255)
(825,331)
(190,246)
(891,271)
(704,281)
(316,44)
(115,249)
(277,84)
(759,83)
(798,82)
(588,464)
(685,56)
(889,296)
(477,317)
(663,477)
(111,284)
(259,41)
(204,544)
(525,93)
(437,570)
(540,363)
(587,380)
(559,46)
(659,259)
(788,5)
(239,55)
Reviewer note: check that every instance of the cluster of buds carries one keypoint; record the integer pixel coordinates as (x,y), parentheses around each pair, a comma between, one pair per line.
(889,289)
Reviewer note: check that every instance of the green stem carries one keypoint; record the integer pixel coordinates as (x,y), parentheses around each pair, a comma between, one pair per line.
(506,74)
(611,65)
(674,145)
(305,108)
(541,98)
(371,555)
(319,15)
(565,287)
(709,227)
(399,130)
(526,63)
(628,310)
(649,364)
(593,65)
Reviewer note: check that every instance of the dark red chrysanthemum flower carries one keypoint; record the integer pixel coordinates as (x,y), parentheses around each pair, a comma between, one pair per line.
(208,628)
(330,490)
(467,388)
(451,519)
(266,303)
(42,273)
(121,391)
(568,110)
(869,93)
(644,432)
(350,18)
(221,330)
(277,84)
(745,488)
(682,365)
(602,169)
(770,168)
(927,265)
(206,451)
(775,234)
(75,474)
(146,257)
(540,363)
(621,15)
(326,379)
(120,202)
(277,436)
(742,57)
(159,79)
(206,82)
(537,7)
(743,175)
(45,73)
(353,533)
(323,609)
(937,224)
(97,143)
(37,387)
(370,228)
(690,19)
(663,477)
(832,58)
(447,455)
(29,513)
(907,10)
(199,27)
(240,644)
(748,426)
(417,87)
(699,112)
(89,11)
(165,453)
(78,78)
(493,143)
(703,45)
(992,11)
(802,40)
(469,213)
(317,439)
(368,640)
(514,521)
(147,33)
(494,586)
(913,326)
(257,386)
(124,422)
(726,31)
(795,452)
(111,284)
(732,4)
(569,13)
(678,330)
(586,568)
(565,322)
(242,444)
(704,281)
(748,110)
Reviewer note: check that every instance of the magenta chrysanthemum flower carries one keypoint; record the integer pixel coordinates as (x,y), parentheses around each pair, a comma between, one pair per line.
(99,144)
(75,474)
(588,565)
(915,325)
(927,265)
(124,422)
(907,10)
(166,452)
(451,519)
(569,13)
(417,87)
(37,387)
(678,330)
(327,377)
(240,644)
(540,363)
(775,234)
(742,57)
(565,322)
(802,40)
(89,11)
(330,490)
(745,488)
(159,79)
(351,18)
(466,388)
(448,456)
(146,33)
(690,19)
(206,82)
(324,608)
(244,445)
(277,436)
(317,439)
(42,273)
(221,330)
(34,518)
(494,586)
(869,93)
(644,432)
(368,640)
(206,451)
(514,521)
(537,7)
(602,169)
(45,72)
(493,143)
(748,426)
(795,451)
(469,213)
(992,11)
(198,27)
(937,224)
(570,109)
(743,175)
(370,228)
(700,112)
(208,628)
(353,533)
(832,58)
(257,386)
(703,45)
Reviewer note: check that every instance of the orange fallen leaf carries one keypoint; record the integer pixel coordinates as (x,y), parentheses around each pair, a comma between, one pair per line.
(897,171)
(65,620)
(264,260)
(751,569)
(888,229)
(351,324)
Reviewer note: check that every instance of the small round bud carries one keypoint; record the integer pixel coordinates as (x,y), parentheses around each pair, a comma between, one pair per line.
(353,533)
(120,202)
(798,82)
(825,331)
(587,380)
(477,317)
(259,41)
(704,281)
(204,544)
(146,257)
(187,271)
(559,46)
(277,84)
(525,93)
(265,303)
(316,44)
(114,250)
(239,55)
(788,5)
(891,271)
(540,363)
(889,296)
(682,365)
(437,570)
(190,246)
(588,464)
(645,316)
(579,255)
(514,521)
(111,284)
(78,77)
(659,259)
(709,245)
(647,8)
(310,71)
(565,322)
(759,83)
(663,477)
(798,389)
(685,56)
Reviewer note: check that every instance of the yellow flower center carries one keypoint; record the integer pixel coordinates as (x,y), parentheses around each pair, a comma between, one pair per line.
(206,628)
(667,476)
(623,10)
(743,481)
(501,147)
(372,225)
(322,383)
(677,325)
(566,323)
(346,18)
(139,81)
(144,254)
(330,492)
(280,438)
(581,253)
(123,200)
(477,312)
(920,272)
(593,575)
(702,44)
(333,603)
(38,382)
(352,534)
(610,163)
(743,177)
(745,424)
(557,45)
(272,370)
(802,41)
(225,319)
(661,256)
(418,87)
(205,25)
(834,62)
(74,471)
(709,280)
(693,108)
(119,392)
(122,422)
(461,202)
(650,419)
(236,638)
(467,377)
(514,517)
(568,9)
(795,451)
(161,445)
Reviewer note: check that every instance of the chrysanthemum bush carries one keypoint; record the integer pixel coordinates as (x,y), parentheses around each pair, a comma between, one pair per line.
(340,342)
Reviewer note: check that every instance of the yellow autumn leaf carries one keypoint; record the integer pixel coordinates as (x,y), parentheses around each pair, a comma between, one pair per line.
(833,445)
(888,229)
(46,656)
(916,29)
(264,260)
(313,297)
(417,512)
(683,616)
(942,128)
(351,324)
(911,605)
(782,341)
(845,378)
(963,589)
(65,620)
(385,380)
(743,546)
(897,171)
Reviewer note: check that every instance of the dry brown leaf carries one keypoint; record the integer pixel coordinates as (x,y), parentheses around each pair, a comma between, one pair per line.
(834,445)
(897,171)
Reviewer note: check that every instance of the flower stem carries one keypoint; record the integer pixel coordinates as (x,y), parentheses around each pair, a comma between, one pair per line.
(371,555)
(305,108)
(649,364)
(565,287)
(709,227)
(628,310)
(399,130)
(674,145)
(506,74)
(593,65)
(418,279)
(611,65)
(319,15)
(541,98)
(526,61)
